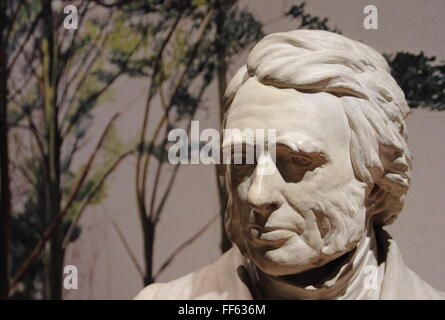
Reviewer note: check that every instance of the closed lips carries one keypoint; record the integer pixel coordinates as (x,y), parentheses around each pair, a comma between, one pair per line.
(267,229)
(272,233)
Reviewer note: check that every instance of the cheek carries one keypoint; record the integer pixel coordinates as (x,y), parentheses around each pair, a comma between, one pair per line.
(317,186)
(341,165)
(330,176)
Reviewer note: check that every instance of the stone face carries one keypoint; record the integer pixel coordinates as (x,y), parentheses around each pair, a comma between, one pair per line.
(311,228)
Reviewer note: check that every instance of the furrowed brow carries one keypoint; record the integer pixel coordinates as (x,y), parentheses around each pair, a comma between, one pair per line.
(301,142)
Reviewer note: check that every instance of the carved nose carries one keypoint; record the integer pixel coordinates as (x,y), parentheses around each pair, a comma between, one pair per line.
(264,196)
(264,209)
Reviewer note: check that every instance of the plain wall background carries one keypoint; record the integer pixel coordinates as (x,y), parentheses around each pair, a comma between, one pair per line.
(106,270)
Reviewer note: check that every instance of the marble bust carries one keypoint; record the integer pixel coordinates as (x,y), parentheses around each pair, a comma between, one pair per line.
(313,229)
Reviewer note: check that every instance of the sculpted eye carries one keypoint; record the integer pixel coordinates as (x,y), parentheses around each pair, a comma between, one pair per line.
(243,168)
(301,161)
(294,165)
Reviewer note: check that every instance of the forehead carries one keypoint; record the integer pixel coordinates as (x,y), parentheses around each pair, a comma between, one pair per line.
(319,116)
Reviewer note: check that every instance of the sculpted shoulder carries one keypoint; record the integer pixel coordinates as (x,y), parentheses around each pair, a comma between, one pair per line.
(181,288)
(217,281)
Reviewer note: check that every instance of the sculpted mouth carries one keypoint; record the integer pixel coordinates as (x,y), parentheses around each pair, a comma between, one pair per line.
(268,229)
(271,234)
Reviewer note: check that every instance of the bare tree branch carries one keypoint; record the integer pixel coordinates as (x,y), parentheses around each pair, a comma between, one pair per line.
(184,71)
(176,169)
(36,134)
(68,63)
(81,16)
(90,197)
(118,3)
(166,193)
(140,181)
(99,92)
(50,230)
(87,167)
(23,172)
(184,245)
(191,57)
(85,64)
(128,248)
(25,266)
(25,41)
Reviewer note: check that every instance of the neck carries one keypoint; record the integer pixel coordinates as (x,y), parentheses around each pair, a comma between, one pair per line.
(342,278)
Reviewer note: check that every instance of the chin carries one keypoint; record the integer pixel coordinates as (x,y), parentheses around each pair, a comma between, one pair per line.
(274,262)
(284,261)
(275,269)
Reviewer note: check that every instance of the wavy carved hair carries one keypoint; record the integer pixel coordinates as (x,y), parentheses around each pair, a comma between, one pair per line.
(320,61)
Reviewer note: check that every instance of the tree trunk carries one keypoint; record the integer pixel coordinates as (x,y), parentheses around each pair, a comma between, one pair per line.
(225,243)
(149,236)
(53,250)
(5,195)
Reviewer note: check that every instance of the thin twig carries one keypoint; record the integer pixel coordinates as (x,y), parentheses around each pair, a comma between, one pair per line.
(140,181)
(166,193)
(87,167)
(192,55)
(50,230)
(87,65)
(185,244)
(12,20)
(100,91)
(176,169)
(128,248)
(188,63)
(30,32)
(86,202)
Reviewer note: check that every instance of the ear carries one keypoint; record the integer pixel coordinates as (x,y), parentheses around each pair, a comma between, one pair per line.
(374,201)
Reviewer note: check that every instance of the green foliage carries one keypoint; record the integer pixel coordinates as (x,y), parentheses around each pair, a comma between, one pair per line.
(179,52)
(309,21)
(21,24)
(112,148)
(185,102)
(27,225)
(86,64)
(197,3)
(125,43)
(240,29)
(422,81)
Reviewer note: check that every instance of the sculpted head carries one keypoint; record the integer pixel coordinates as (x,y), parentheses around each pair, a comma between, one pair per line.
(342,162)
